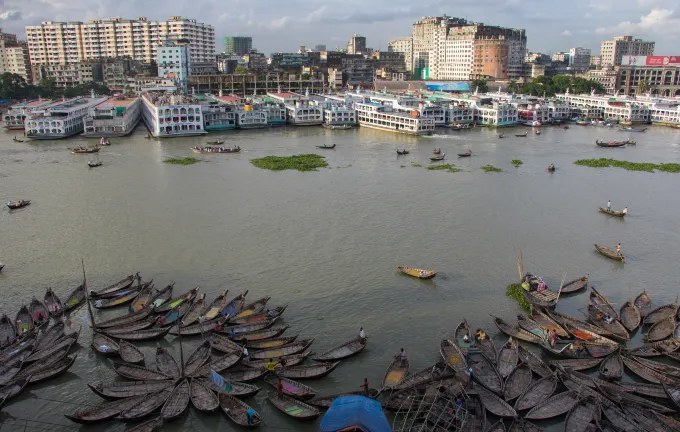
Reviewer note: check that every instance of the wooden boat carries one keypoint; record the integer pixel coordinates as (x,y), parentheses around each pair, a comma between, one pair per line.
(667,369)
(553,407)
(661,313)
(312,371)
(547,323)
(143,335)
(187,297)
(198,328)
(235,305)
(261,335)
(598,317)
(602,303)
(536,393)
(175,314)
(55,347)
(495,404)
(53,304)
(28,371)
(213,310)
(125,320)
(13,389)
(18,350)
(18,204)
(507,358)
(611,367)
(198,358)
(417,273)
(347,349)
(487,348)
(130,353)
(54,369)
(499,426)
(644,372)
(234,332)
(614,213)
(452,355)
(644,303)
(146,293)
(253,308)
(236,411)
(531,326)
(293,348)
(83,150)
(270,343)
(139,373)
(576,364)
(575,285)
(402,152)
(123,297)
(610,253)
(484,372)
(104,344)
(661,329)
(225,362)
(161,297)
(244,374)
(669,422)
(515,331)
(132,327)
(676,331)
(292,407)
(236,388)
(395,374)
(49,336)
(629,316)
(398,399)
(166,363)
(438,158)
(7,331)
(588,336)
(75,299)
(94,164)
(545,298)
(291,360)
(23,322)
(292,388)
(524,135)
(39,312)
(501,136)
(536,365)
(673,393)
(104,411)
(223,344)
(195,311)
(466,154)
(435,372)
(149,404)
(327,401)
(114,389)
(580,349)
(437,151)
(476,414)
(178,402)
(325,147)
(268,314)
(656,349)
(644,389)
(630,129)
(150,425)
(610,144)
(619,419)
(563,319)
(628,399)
(121,285)
(462,331)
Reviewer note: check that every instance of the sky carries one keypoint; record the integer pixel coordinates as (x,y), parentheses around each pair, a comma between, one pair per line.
(277,25)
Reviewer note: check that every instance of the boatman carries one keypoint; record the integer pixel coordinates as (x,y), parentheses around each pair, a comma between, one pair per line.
(403,357)
(250,415)
(618,248)
(245,353)
(609,205)
(365,387)
(625,210)
(271,368)
(362,336)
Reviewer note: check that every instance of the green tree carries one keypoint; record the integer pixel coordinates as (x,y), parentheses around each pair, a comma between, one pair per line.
(513,86)
(241,70)
(480,84)
(643,87)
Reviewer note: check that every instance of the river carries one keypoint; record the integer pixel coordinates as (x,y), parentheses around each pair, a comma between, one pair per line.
(326,243)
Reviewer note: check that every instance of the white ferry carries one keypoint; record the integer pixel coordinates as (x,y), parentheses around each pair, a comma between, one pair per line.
(15,116)
(61,119)
(378,116)
(219,113)
(299,109)
(168,116)
(248,117)
(276,111)
(337,114)
(115,117)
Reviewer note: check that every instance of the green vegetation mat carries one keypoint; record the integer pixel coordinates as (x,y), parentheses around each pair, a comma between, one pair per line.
(630,166)
(303,162)
(185,161)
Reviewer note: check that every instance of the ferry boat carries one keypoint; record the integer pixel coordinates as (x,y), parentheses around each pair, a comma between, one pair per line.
(15,116)
(219,113)
(339,117)
(276,111)
(168,116)
(249,118)
(302,113)
(378,116)
(116,117)
(61,119)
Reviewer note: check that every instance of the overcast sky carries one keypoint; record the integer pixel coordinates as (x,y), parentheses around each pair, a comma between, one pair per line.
(285,25)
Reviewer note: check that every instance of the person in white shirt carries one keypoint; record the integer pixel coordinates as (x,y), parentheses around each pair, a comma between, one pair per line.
(362,336)
(245,352)
(609,205)
(625,211)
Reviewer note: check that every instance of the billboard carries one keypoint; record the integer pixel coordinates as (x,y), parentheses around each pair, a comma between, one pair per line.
(650,61)
(456,86)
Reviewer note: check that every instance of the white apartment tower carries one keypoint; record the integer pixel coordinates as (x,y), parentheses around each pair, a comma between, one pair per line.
(70,42)
(612,51)
(403,45)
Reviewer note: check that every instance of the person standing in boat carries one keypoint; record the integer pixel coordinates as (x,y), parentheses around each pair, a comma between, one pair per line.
(625,210)
(618,248)
(403,357)
(364,386)
(362,336)
(609,204)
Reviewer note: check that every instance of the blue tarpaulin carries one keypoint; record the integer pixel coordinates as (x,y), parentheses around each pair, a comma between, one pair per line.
(460,86)
(355,411)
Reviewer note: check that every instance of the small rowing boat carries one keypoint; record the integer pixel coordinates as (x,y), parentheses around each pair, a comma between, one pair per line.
(417,273)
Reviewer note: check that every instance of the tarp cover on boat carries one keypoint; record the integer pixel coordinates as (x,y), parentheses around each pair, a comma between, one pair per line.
(355,411)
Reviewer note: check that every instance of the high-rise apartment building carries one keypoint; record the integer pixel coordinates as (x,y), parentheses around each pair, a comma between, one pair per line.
(14,56)
(356,45)
(450,48)
(174,62)
(70,42)
(238,45)
(579,58)
(612,51)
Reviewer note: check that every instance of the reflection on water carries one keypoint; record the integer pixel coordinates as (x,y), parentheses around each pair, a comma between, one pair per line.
(328,242)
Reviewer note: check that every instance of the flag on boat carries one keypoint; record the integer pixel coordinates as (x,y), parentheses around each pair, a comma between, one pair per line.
(219,381)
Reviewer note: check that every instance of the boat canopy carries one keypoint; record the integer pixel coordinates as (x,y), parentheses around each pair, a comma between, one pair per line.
(350,412)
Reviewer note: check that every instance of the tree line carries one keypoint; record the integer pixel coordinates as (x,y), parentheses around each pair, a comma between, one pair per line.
(545,85)
(13,86)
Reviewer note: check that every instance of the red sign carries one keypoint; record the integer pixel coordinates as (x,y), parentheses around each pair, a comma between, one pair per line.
(651,61)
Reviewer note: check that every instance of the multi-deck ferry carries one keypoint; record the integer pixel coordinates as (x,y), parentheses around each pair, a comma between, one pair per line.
(60,119)
(15,117)
(168,116)
(114,117)
(378,116)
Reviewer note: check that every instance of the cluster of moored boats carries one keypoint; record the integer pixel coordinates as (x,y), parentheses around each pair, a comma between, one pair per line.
(243,333)
(35,346)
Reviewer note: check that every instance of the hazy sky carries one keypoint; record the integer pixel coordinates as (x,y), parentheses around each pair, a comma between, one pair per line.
(285,25)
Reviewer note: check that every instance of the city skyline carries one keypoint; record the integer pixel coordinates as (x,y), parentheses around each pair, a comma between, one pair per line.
(275,28)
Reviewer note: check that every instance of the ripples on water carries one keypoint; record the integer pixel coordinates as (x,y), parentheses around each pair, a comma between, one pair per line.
(327,242)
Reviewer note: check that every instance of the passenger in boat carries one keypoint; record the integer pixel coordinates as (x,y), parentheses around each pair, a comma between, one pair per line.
(365,387)
(480,335)
(618,248)
(362,336)
(609,205)
(541,286)
(403,357)
(271,368)
(552,338)
(281,366)
(250,415)
(271,313)
(466,338)
(608,319)
(422,273)
(625,210)
(245,353)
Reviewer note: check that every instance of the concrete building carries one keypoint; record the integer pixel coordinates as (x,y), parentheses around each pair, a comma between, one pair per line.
(14,59)
(356,45)
(70,42)
(537,57)
(560,57)
(450,48)
(257,61)
(595,61)
(238,44)
(613,51)
(357,70)
(69,75)
(319,48)
(579,58)
(174,62)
